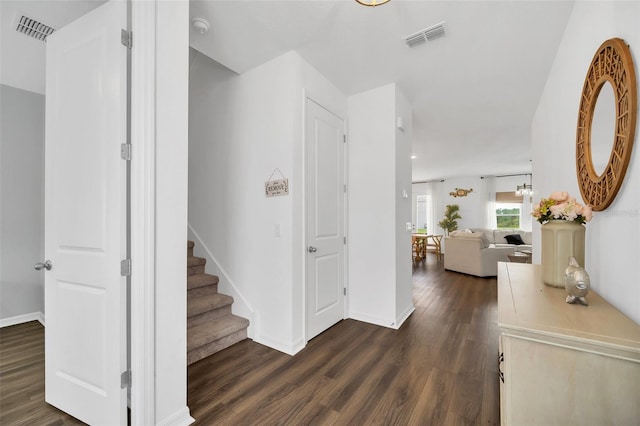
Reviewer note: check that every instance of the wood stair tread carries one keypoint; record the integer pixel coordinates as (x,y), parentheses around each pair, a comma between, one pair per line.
(201,280)
(203,334)
(200,304)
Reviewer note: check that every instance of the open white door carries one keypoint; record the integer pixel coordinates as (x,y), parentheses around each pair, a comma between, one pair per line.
(324,174)
(85,217)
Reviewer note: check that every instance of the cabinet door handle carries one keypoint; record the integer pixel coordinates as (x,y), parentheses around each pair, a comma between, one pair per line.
(500,361)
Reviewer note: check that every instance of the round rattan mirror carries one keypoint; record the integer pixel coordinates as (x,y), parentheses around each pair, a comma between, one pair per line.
(612,63)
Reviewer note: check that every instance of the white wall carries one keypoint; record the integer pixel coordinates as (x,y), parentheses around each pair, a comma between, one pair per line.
(171,114)
(21,204)
(243,128)
(377,212)
(613,236)
(404,282)
(473,207)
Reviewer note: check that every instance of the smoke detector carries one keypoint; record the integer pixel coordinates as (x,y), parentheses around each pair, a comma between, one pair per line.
(200,25)
(33,28)
(428,34)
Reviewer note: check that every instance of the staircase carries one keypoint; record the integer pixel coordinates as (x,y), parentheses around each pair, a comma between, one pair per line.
(211,326)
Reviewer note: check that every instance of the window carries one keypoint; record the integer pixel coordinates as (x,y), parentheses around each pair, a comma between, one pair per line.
(508,210)
(508,215)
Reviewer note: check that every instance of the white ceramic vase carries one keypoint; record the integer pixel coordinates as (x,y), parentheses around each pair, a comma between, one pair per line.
(561,240)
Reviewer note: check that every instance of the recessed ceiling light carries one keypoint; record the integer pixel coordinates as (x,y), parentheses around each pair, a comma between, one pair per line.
(413,156)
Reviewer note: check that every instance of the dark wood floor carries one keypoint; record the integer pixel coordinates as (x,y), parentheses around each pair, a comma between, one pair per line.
(440,368)
(22,379)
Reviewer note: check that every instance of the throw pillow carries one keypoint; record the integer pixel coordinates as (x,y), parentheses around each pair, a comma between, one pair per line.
(515,239)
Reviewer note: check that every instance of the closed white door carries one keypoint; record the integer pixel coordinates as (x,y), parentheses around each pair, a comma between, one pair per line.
(324,150)
(85,217)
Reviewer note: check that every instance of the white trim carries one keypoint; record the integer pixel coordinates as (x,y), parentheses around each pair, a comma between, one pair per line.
(245,310)
(180,418)
(303,211)
(143,107)
(289,348)
(21,319)
(373,320)
(403,317)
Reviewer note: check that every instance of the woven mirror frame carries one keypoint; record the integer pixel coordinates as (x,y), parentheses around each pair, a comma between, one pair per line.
(612,63)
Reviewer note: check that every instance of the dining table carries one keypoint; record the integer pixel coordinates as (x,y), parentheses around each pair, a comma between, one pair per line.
(420,243)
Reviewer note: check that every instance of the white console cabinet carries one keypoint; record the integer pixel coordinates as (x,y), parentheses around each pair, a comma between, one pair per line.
(563,364)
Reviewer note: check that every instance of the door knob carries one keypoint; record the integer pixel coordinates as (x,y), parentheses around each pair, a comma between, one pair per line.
(46,265)
(312,249)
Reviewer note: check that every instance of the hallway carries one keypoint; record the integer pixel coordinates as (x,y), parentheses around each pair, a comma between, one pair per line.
(440,368)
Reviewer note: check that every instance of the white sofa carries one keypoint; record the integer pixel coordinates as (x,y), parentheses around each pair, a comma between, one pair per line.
(475,253)
(497,237)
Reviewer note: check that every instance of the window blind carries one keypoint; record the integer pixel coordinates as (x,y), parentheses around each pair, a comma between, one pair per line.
(508,197)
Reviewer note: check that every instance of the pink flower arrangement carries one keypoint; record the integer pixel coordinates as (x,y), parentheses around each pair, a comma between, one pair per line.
(561,206)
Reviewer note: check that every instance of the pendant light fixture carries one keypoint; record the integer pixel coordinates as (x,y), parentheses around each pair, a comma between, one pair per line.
(524,189)
(372,3)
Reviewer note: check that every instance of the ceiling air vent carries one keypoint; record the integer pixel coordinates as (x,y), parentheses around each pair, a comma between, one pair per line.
(33,28)
(428,34)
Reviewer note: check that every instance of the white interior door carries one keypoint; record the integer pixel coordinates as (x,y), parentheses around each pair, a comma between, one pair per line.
(85,217)
(324,173)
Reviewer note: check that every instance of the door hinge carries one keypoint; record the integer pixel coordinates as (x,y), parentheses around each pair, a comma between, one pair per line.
(345,187)
(125,267)
(344,138)
(344,240)
(125,379)
(125,151)
(126,38)
(344,291)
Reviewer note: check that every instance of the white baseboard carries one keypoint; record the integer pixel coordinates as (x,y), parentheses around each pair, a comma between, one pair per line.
(20,319)
(388,323)
(180,418)
(279,345)
(383,322)
(403,317)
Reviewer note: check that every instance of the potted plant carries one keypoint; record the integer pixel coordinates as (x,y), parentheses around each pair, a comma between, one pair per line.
(450,223)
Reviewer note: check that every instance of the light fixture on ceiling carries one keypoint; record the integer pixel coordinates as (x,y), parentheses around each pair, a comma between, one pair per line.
(372,3)
(524,189)
(200,25)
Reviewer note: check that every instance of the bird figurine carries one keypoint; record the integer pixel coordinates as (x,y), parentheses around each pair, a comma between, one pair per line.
(576,282)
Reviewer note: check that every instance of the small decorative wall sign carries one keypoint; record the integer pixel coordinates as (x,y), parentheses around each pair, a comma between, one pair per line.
(459,192)
(276,187)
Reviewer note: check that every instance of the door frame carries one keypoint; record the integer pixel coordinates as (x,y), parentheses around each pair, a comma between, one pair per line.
(309,95)
(143,106)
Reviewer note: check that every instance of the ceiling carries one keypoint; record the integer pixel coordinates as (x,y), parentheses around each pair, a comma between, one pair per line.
(473,92)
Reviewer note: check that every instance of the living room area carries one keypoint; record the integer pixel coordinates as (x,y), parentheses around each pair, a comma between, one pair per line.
(488,209)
